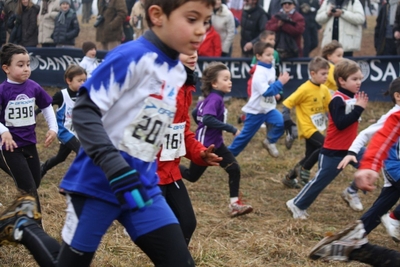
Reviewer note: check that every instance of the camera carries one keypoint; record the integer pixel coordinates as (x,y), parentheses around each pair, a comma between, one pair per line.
(333,10)
(99,21)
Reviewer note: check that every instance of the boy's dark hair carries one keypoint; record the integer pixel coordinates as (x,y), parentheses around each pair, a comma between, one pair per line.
(330,48)
(266,33)
(168,6)
(72,71)
(318,63)
(8,50)
(344,69)
(87,46)
(259,47)
(394,87)
(210,75)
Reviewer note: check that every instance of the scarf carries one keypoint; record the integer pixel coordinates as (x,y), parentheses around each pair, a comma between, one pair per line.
(191,77)
(45,4)
(392,11)
(61,19)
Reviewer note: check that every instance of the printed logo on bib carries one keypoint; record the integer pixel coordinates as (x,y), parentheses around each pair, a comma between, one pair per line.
(144,135)
(174,142)
(268,102)
(20,112)
(319,121)
(350,103)
(68,121)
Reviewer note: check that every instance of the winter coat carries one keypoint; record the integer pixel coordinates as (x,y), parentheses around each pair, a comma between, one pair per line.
(10,7)
(65,34)
(114,13)
(29,27)
(211,45)
(224,23)
(252,24)
(293,27)
(350,24)
(380,29)
(47,21)
(140,13)
(308,9)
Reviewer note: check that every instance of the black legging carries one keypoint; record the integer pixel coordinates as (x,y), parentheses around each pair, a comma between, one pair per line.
(376,256)
(313,147)
(65,149)
(23,165)
(178,199)
(229,164)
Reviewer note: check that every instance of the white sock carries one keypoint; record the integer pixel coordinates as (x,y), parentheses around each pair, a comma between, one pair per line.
(234,199)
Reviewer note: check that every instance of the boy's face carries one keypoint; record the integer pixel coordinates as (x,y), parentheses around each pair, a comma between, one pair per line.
(185,27)
(352,83)
(189,61)
(320,76)
(270,39)
(336,56)
(267,56)
(91,53)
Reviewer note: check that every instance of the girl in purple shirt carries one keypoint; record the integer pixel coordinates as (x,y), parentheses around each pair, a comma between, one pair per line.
(209,115)
(18,97)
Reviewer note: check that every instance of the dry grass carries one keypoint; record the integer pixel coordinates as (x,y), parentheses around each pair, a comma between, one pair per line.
(267,237)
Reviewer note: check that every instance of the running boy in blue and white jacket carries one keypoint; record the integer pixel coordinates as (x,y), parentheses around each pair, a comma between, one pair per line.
(120,117)
(261,107)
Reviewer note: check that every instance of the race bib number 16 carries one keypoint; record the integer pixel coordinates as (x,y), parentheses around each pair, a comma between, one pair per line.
(144,135)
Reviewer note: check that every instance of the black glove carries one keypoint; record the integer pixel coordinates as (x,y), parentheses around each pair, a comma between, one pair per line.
(130,190)
(288,126)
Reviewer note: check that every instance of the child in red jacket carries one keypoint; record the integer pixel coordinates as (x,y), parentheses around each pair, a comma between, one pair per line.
(211,45)
(179,142)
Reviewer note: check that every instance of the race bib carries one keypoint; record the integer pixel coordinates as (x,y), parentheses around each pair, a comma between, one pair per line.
(350,105)
(144,135)
(319,121)
(174,142)
(20,112)
(268,102)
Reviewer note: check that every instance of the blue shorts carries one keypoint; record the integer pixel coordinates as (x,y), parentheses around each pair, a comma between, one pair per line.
(88,219)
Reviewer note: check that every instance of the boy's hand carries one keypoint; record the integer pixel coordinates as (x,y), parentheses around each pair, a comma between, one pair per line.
(284,77)
(248,46)
(365,179)
(210,157)
(346,160)
(277,97)
(362,99)
(50,137)
(237,133)
(7,140)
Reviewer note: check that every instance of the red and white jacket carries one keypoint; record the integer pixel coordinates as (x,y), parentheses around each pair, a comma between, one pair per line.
(381,143)
(168,171)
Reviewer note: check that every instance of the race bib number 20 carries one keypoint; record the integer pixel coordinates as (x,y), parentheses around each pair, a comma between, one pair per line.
(144,135)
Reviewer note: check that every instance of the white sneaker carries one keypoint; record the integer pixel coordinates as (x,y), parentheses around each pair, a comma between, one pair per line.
(392,227)
(296,212)
(353,200)
(338,246)
(271,148)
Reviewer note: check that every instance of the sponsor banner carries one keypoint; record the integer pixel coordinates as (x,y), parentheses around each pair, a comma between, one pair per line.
(49,64)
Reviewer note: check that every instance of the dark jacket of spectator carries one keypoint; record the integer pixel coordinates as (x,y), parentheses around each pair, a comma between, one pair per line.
(294,26)
(384,41)
(29,25)
(65,33)
(114,13)
(308,9)
(252,24)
